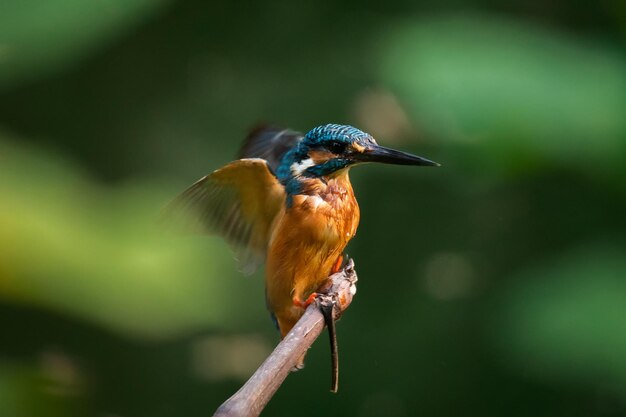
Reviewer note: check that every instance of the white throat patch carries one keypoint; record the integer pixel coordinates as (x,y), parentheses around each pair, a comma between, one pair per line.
(297,168)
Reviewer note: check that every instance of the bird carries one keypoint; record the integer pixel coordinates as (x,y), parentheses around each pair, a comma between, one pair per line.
(288,202)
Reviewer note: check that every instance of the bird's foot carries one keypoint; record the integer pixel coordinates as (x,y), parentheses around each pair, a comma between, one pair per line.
(300,364)
(304,304)
(337,266)
(344,265)
(340,263)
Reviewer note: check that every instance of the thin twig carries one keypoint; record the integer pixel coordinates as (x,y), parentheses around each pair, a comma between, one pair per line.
(250,400)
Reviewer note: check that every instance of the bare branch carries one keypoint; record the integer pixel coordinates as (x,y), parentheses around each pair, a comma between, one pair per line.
(250,400)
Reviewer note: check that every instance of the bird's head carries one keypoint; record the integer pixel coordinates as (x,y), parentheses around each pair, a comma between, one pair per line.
(329,149)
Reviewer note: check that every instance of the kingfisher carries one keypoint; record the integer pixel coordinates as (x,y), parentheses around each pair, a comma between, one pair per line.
(288,202)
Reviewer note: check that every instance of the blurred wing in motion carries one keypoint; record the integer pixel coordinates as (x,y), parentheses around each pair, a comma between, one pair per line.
(238,201)
(269,143)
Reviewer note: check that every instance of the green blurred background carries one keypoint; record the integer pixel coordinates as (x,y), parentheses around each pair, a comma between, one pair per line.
(493,286)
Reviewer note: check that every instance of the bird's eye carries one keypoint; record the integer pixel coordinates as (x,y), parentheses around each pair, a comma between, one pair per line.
(336,147)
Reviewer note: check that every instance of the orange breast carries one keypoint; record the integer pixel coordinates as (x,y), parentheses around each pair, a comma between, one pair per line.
(307,238)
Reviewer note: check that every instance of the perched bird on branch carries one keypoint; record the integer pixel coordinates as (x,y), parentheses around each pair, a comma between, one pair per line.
(288,202)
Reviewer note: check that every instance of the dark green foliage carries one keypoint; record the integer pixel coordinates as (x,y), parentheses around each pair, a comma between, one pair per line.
(493,286)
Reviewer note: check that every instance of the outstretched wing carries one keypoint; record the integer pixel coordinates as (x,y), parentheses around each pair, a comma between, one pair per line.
(238,201)
(269,143)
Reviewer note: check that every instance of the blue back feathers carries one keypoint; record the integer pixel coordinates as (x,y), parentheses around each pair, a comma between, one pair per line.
(270,143)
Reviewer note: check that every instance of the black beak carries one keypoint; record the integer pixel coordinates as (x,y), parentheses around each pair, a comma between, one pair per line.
(391,156)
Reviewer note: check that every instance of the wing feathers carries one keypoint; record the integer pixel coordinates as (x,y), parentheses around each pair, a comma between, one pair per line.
(269,143)
(238,201)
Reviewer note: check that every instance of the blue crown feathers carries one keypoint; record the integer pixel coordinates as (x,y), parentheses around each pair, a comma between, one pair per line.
(330,132)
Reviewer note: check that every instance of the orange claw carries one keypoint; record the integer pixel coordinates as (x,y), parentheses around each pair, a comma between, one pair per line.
(337,266)
(305,304)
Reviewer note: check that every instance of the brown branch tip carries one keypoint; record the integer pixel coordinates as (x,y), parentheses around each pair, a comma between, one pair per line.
(252,397)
